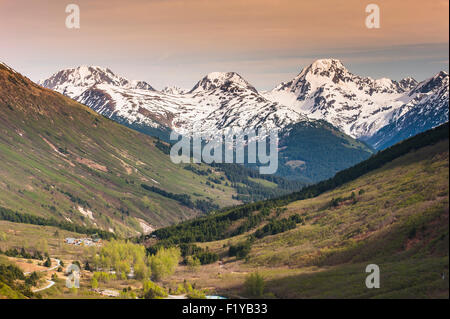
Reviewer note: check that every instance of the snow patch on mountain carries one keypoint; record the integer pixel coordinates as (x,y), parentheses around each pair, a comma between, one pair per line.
(427,108)
(174,90)
(218,101)
(359,106)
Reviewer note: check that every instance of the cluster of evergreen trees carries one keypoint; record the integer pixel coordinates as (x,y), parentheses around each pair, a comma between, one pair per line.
(198,171)
(75,199)
(22,253)
(240,250)
(183,199)
(203,205)
(163,147)
(9,276)
(250,191)
(251,222)
(277,226)
(209,228)
(206,257)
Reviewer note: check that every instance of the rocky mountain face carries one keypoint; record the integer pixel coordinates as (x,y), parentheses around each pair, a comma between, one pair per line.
(428,108)
(174,90)
(218,101)
(361,106)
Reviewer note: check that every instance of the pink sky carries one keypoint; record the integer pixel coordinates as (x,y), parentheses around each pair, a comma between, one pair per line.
(266,41)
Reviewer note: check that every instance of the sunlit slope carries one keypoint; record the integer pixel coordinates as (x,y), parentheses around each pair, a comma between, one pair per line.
(60,159)
(395,216)
(398,220)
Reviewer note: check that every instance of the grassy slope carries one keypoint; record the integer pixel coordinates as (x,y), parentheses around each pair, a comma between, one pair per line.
(400,222)
(42,238)
(7,292)
(45,239)
(51,145)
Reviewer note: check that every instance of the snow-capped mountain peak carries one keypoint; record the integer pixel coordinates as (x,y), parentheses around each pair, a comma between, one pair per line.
(324,67)
(225,81)
(88,76)
(358,105)
(440,79)
(174,90)
(407,83)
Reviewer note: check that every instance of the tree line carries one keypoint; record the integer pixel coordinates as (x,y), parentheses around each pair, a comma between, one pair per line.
(215,227)
(203,205)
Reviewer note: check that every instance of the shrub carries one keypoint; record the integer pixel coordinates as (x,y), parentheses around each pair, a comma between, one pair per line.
(207,257)
(254,285)
(240,250)
(153,291)
(94,283)
(193,263)
(164,262)
(196,294)
(48,263)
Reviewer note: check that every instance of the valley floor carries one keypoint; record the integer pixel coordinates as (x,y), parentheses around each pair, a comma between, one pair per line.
(395,217)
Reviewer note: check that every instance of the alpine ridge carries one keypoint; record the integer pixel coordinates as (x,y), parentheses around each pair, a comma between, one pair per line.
(219,100)
(361,106)
(325,90)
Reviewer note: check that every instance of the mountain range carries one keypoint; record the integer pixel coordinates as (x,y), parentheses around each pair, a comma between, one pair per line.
(365,114)
(325,90)
(381,112)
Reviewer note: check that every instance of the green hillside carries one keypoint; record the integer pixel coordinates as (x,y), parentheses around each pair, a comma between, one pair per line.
(59,159)
(8,277)
(391,210)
